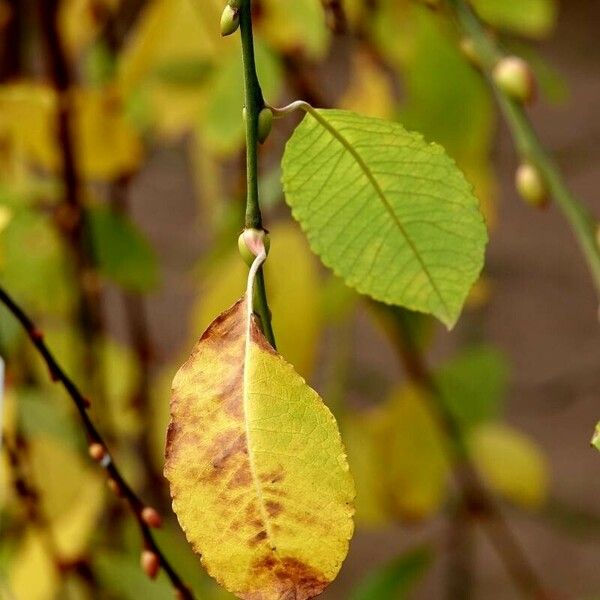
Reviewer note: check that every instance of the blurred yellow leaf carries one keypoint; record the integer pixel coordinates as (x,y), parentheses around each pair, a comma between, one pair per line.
(106,143)
(370,92)
(363,436)
(511,463)
(418,463)
(293,27)
(121,378)
(294,294)
(79,20)
(170,31)
(32,574)
(259,477)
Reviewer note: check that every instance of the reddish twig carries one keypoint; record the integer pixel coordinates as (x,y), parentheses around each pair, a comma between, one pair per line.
(145,516)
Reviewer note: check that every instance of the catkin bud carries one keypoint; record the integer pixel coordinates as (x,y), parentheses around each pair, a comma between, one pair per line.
(97,451)
(230,20)
(251,242)
(514,77)
(531,186)
(151,517)
(150,563)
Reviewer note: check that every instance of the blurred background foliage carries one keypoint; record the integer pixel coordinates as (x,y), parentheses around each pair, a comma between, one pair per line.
(145,76)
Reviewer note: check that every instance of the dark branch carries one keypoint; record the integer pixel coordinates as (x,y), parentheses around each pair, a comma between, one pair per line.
(95,440)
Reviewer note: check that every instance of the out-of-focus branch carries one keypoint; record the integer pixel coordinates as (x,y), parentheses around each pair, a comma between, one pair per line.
(335,15)
(476,498)
(70,215)
(146,517)
(583,225)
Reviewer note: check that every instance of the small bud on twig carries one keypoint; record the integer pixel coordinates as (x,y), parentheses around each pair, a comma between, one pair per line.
(469,51)
(265,124)
(251,242)
(514,77)
(97,451)
(150,563)
(114,487)
(230,20)
(151,517)
(531,186)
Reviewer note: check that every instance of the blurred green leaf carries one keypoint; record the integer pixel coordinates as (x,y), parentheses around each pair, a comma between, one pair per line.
(122,251)
(473,385)
(395,580)
(534,18)
(184,73)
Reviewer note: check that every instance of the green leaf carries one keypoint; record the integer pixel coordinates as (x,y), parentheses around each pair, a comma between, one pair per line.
(535,18)
(473,385)
(123,253)
(386,211)
(596,438)
(395,580)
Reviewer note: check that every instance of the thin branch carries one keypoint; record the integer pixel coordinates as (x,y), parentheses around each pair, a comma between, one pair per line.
(582,223)
(475,496)
(335,15)
(70,215)
(98,448)
(254,105)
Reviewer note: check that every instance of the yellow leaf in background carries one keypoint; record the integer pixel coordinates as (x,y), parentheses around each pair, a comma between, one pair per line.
(370,92)
(169,31)
(63,479)
(511,463)
(32,574)
(27,115)
(258,473)
(418,465)
(121,377)
(107,144)
(73,529)
(294,294)
(364,435)
(79,21)
(296,26)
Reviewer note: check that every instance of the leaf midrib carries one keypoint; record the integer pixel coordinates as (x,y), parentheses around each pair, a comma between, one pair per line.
(380,193)
(253,471)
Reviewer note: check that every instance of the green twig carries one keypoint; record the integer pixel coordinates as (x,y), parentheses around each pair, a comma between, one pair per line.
(583,224)
(254,104)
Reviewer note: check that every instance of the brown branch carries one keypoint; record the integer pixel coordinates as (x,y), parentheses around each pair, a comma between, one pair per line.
(335,15)
(144,515)
(70,216)
(475,496)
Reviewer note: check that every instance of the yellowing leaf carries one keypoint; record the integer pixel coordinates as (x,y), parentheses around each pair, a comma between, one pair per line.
(258,473)
(511,463)
(596,437)
(79,21)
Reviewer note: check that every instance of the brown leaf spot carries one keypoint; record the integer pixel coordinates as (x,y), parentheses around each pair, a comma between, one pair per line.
(259,537)
(274,508)
(294,579)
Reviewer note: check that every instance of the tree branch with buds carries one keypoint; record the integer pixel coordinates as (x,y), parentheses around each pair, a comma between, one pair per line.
(147,518)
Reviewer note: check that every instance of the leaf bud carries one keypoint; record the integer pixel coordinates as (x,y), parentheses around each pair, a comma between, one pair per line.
(151,517)
(150,563)
(251,243)
(97,451)
(469,51)
(514,77)
(265,124)
(230,20)
(531,186)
